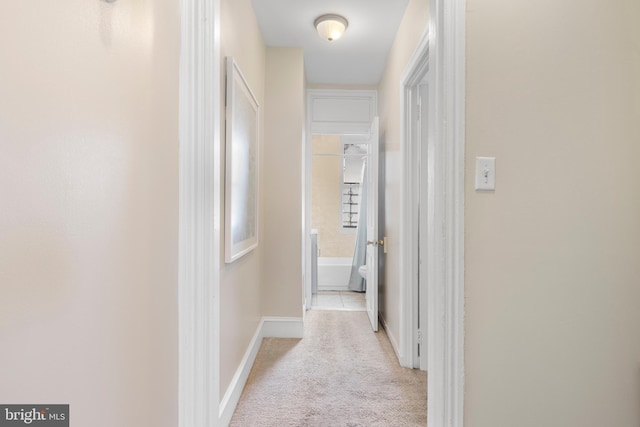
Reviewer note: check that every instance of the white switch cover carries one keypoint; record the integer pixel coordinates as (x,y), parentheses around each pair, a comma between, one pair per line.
(486,173)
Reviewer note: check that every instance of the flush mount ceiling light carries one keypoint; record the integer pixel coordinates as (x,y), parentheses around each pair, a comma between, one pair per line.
(331,27)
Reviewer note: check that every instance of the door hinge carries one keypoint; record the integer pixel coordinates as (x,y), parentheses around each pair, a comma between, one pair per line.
(419,337)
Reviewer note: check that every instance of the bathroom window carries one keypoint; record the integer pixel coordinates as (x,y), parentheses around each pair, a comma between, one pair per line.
(350,205)
(350,187)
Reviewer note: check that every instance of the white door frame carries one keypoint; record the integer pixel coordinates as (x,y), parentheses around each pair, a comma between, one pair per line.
(445,311)
(424,213)
(416,72)
(318,125)
(199,214)
(442,51)
(372,247)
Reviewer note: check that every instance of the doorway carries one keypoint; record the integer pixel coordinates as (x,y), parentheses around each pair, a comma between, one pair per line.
(338,218)
(345,120)
(353,160)
(418,212)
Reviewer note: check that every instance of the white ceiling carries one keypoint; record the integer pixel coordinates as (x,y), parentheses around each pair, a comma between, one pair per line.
(359,57)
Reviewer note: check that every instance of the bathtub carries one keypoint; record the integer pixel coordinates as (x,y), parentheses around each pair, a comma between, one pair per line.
(334,273)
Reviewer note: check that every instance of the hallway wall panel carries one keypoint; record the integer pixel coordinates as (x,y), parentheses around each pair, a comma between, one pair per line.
(241,281)
(552,272)
(282,184)
(89,209)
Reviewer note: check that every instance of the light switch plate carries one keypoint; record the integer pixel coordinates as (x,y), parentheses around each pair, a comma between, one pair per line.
(486,173)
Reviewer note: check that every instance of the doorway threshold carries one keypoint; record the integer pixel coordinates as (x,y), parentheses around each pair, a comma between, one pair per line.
(339,301)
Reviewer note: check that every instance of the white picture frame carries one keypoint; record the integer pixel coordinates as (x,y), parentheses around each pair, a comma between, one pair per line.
(241,167)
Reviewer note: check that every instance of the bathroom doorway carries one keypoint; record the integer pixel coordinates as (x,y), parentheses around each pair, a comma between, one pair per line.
(338,221)
(351,115)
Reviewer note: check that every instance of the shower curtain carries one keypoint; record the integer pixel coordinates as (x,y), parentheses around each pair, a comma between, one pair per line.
(356,282)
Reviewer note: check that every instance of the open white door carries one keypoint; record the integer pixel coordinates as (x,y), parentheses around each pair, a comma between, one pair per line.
(373,243)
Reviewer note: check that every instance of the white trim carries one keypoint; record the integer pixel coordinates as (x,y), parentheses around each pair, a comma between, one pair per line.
(425,212)
(338,97)
(442,51)
(234,391)
(415,71)
(283,327)
(199,213)
(445,335)
(392,340)
(269,327)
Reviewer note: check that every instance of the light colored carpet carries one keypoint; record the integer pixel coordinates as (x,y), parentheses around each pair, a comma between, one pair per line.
(340,374)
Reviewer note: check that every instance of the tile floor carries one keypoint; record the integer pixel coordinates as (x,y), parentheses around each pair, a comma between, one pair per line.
(339,300)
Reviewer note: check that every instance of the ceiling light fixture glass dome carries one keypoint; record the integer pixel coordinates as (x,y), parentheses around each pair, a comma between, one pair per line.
(331,27)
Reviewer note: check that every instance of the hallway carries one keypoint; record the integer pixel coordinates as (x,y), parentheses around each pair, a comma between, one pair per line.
(339,374)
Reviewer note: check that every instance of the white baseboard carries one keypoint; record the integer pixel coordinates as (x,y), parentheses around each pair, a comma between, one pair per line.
(232,396)
(269,327)
(282,327)
(392,340)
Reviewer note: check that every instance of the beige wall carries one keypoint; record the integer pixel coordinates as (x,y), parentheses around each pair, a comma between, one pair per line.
(413,25)
(552,270)
(326,198)
(240,288)
(282,182)
(89,209)
(266,281)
